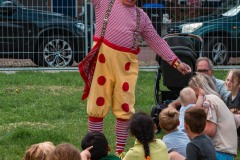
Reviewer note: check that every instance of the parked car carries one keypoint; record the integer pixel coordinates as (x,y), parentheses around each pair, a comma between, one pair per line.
(47,38)
(220,31)
(205,3)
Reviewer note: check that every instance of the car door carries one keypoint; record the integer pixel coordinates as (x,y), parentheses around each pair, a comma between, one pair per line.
(4,30)
(13,31)
(238,33)
(233,23)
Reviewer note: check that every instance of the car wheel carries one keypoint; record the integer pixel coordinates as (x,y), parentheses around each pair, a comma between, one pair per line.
(217,50)
(55,52)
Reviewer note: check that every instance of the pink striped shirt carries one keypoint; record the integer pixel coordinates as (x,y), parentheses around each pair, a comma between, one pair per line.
(122,24)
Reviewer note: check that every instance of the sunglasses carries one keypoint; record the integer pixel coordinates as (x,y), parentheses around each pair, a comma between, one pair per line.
(203,70)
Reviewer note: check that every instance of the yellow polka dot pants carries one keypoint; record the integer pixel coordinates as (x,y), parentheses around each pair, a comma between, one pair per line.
(113,84)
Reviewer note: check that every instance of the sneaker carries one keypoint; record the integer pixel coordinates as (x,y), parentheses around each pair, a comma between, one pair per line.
(120,155)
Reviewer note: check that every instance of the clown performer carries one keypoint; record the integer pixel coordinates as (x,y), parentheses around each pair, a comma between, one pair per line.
(116,66)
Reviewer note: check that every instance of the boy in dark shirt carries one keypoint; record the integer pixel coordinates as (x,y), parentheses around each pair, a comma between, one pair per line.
(200,147)
(100,146)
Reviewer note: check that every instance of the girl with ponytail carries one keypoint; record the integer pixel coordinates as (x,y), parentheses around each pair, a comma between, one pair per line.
(146,147)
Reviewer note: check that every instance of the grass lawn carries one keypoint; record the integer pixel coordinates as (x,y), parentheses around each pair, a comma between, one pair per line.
(42,106)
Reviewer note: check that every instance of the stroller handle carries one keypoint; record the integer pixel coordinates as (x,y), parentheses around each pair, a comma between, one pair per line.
(197,37)
(184,35)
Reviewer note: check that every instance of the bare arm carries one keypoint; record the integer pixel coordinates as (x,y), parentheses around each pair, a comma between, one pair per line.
(237,119)
(176,156)
(175,104)
(200,99)
(199,102)
(210,129)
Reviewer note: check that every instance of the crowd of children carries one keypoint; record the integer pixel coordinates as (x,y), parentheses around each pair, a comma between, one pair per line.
(204,128)
(48,151)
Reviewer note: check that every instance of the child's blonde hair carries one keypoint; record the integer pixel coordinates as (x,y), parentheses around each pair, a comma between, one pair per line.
(188,96)
(169,119)
(39,151)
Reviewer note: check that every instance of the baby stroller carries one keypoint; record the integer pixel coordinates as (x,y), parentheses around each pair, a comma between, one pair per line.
(186,47)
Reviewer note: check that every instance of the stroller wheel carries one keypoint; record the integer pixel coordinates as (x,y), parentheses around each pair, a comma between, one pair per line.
(154,114)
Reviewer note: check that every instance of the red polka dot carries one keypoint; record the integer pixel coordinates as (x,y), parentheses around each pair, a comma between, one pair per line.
(127,66)
(125,107)
(125,86)
(101,58)
(101,80)
(100,101)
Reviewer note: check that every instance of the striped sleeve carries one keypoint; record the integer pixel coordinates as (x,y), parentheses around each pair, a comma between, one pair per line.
(157,44)
(122,24)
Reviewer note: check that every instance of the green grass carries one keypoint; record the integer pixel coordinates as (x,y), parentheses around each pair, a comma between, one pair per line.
(41,106)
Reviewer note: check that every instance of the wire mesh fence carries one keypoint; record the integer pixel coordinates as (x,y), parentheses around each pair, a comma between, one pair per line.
(49,39)
(58,33)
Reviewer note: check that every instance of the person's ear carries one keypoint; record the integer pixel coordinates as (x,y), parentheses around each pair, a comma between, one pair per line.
(186,126)
(178,122)
(108,148)
(211,72)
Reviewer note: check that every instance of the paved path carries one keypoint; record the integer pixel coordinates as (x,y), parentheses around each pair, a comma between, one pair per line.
(146,58)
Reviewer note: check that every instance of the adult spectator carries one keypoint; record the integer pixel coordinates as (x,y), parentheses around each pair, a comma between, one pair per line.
(204,65)
(220,126)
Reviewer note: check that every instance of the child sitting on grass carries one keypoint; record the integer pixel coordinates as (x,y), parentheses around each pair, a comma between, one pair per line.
(39,151)
(174,139)
(146,147)
(67,151)
(100,146)
(201,146)
(232,83)
(188,99)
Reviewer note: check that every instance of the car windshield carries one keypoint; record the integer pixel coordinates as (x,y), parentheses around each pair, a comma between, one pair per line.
(228,6)
(232,12)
